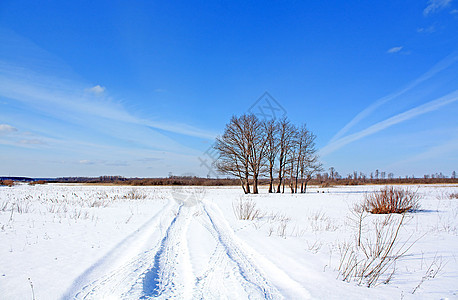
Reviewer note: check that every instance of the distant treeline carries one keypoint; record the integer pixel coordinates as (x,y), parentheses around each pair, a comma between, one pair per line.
(21,179)
(171,180)
(200,181)
(410,180)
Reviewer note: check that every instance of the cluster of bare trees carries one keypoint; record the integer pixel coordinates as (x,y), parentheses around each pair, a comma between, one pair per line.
(251,149)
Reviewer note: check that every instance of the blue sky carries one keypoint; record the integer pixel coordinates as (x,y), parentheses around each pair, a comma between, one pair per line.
(91,88)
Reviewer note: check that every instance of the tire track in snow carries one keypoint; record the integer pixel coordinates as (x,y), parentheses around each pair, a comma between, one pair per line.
(94,278)
(170,274)
(250,265)
(164,271)
(229,258)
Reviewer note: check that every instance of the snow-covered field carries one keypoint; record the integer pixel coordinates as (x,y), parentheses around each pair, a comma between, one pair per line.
(98,242)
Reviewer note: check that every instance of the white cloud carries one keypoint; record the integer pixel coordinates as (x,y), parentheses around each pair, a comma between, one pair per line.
(394,49)
(407,115)
(86,162)
(60,98)
(5,129)
(440,66)
(434,152)
(455,11)
(429,29)
(435,6)
(32,142)
(97,89)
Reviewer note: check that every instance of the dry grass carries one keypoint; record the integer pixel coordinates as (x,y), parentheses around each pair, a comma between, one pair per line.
(245,209)
(319,221)
(434,268)
(373,261)
(135,194)
(392,200)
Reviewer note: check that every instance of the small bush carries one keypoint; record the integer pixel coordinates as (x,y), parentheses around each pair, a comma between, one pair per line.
(37,182)
(246,210)
(391,200)
(134,194)
(453,196)
(7,182)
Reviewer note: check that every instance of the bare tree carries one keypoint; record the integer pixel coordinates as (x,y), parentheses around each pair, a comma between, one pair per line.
(233,148)
(285,134)
(255,135)
(293,158)
(332,172)
(250,147)
(271,129)
(309,164)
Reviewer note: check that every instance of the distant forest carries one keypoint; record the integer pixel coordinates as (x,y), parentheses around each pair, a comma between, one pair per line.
(322,180)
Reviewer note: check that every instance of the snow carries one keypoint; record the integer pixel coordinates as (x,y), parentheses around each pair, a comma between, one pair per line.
(117,242)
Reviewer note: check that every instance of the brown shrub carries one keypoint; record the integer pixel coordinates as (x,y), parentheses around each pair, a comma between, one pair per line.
(453,196)
(37,182)
(327,184)
(391,200)
(7,182)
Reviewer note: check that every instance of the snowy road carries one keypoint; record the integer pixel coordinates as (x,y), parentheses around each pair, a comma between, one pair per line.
(186,252)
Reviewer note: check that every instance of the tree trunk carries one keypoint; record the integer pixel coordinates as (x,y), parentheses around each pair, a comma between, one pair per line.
(243,185)
(280,179)
(255,183)
(291,180)
(271,184)
(247,182)
(305,187)
(291,184)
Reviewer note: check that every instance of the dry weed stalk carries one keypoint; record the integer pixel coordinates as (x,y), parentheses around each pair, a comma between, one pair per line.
(436,266)
(281,230)
(246,209)
(134,194)
(374,256)
(319,221)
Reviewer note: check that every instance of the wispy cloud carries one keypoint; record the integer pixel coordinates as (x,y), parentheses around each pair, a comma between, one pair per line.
(440,66)
(86,162)
(435,6)
(32,142)
(96,89)
(394,49)
(407,115)
(67,98)
(75,125)
(5,129)
(429,29)
(436,151)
